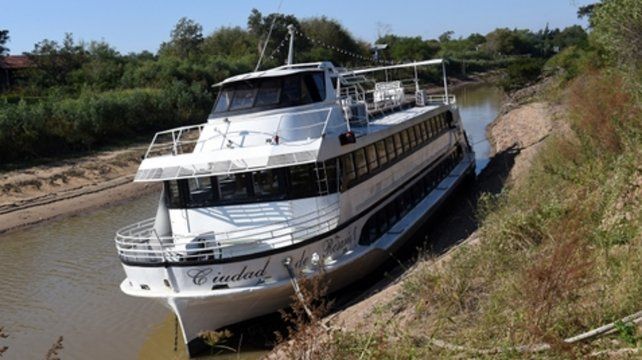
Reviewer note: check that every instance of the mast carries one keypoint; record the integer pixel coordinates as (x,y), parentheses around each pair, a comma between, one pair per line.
(291,30)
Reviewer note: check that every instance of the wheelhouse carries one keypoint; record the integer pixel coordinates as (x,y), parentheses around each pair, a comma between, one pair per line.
(267,93)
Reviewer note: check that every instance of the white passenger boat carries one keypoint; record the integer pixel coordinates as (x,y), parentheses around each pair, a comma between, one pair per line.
(298,168)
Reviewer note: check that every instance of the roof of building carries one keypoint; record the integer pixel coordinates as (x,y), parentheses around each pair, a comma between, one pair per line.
(14,62)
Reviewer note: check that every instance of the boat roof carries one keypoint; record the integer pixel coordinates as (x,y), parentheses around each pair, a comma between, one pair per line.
(280,71)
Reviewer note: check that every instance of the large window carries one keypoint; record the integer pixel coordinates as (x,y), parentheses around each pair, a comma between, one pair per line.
(268,93)
(295,182)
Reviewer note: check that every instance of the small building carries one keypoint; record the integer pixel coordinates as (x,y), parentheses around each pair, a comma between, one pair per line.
(9,68)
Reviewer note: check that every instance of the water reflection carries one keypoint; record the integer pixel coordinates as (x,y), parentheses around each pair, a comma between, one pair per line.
(478,106)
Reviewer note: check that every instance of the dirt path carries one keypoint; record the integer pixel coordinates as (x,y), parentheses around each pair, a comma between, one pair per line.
(68,187)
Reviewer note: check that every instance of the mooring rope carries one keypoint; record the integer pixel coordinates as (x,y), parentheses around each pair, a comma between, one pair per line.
(287,262)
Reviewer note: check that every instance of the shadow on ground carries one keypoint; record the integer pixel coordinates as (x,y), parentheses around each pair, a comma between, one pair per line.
(450,226)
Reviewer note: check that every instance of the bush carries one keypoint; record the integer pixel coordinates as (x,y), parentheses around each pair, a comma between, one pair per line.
(521,73)
(58,126)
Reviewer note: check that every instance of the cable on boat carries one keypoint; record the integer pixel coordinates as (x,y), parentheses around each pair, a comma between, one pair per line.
(267,40)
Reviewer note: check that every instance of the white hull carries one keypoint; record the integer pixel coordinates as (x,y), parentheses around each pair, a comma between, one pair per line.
(200,308)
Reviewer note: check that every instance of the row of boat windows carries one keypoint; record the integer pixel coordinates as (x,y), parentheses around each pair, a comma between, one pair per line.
(363,163)
(263,93)
(303,181)
(386,217)
(290,183)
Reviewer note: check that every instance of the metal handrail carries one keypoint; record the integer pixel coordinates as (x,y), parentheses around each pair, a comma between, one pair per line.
(133,241)
(177,134)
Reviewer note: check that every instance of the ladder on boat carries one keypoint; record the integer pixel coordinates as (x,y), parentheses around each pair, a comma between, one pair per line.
(322,179)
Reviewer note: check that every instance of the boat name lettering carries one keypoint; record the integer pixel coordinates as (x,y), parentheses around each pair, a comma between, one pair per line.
(202,276)
(336,244)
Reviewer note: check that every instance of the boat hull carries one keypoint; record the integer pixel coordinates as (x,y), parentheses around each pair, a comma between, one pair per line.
(262,285)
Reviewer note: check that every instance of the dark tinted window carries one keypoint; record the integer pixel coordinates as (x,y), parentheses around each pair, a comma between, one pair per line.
(269,92)
(267,183)
(292,90)
(360,162)
(405,141)
(200,191)
(390,148)
(371,155)
(303,181)
(243,97)
(347,168)
(234,187)
(381,152)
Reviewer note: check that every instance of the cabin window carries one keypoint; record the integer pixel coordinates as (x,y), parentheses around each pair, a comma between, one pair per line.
(173,194)
(224,100)
(360,162)
(381,152)
(303,181)
(331,173)
(420,137)
(371,155)
(411,135)
(424,131)
(398,144)
(405,141)
(200,191)
(267,183)
(243,97)
(269,92)
(234,187)
(347,167)
(390,148)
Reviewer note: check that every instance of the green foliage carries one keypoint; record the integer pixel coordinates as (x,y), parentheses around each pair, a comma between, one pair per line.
(4,38)
(627,332)
(186,39)
(522,72)
(56,126)
(617,28)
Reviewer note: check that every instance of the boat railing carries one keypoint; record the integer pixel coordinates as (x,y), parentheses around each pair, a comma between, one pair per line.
(186,139)
(441,99)
(140,243)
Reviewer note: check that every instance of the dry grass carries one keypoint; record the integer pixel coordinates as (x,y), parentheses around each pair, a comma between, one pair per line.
(559,254)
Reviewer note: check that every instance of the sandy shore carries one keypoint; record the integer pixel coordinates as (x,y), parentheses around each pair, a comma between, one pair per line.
(69,187)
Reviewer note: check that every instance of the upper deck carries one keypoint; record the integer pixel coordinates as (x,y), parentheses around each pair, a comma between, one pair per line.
(238,139)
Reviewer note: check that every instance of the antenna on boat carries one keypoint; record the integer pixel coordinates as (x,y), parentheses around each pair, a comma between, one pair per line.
(267,39)
(291,31)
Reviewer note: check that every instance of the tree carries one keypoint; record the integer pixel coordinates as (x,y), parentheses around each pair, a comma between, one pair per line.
(185,39)
(230,41)
(4,38)
(332,33)
(259,26)
(446,36)
(617,28)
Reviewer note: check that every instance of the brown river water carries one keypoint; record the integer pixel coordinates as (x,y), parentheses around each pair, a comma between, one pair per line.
(62,277)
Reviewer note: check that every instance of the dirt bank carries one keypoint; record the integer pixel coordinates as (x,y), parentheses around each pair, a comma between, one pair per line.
(68,187)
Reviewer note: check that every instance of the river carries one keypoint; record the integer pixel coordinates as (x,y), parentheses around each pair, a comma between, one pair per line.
(62,277)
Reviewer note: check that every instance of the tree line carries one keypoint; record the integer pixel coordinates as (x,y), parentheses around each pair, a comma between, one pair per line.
(79,96)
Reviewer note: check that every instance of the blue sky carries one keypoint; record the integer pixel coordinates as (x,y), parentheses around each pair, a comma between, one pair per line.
(135,25)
